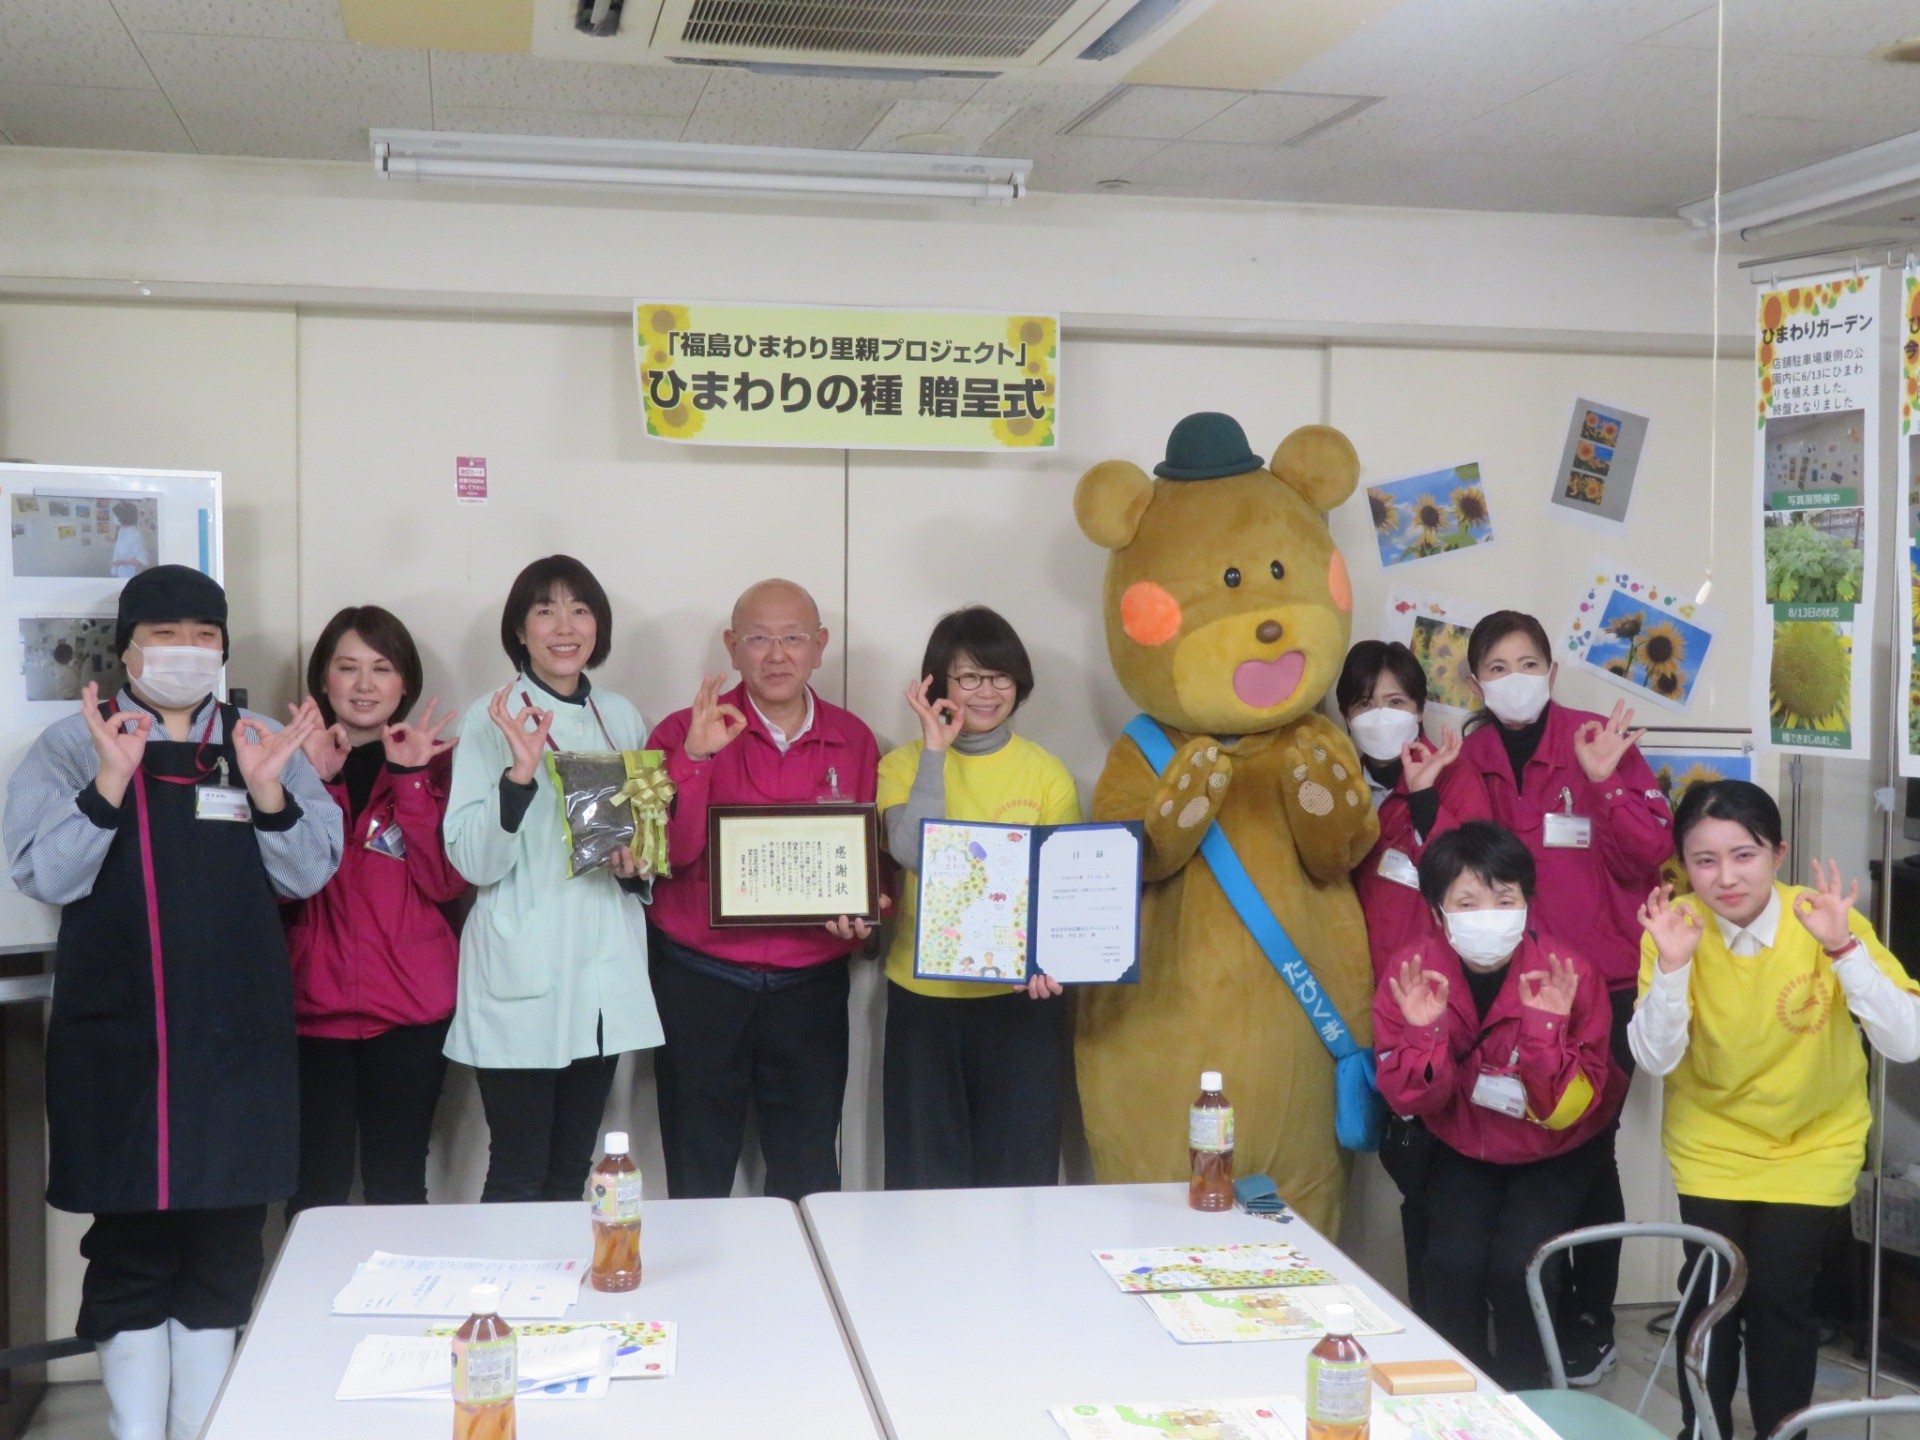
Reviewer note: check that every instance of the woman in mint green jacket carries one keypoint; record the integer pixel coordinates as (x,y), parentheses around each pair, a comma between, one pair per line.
(553,971)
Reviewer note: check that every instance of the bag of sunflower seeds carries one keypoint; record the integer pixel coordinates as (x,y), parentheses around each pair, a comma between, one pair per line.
(613,800)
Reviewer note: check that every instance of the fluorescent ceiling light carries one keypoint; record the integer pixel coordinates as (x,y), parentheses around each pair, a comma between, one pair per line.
(1833,189)
(670,166)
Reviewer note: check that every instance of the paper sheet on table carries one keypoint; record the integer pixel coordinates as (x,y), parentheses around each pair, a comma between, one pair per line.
(1211,1267)
(645,1349)
(1200,1317)
(1278,1417)
(574,1366)
(1478,1416)
(443,1285)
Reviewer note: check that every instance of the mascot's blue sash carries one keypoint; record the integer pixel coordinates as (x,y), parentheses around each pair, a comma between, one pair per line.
(1359,1115)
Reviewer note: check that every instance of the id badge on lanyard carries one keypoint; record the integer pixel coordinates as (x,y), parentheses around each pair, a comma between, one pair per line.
(1395,866)
(218,800)
(385,838)
(1564,830)
(1501,1091)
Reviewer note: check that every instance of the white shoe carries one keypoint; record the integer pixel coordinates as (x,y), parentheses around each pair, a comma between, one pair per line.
(136,1366)
(200,1361)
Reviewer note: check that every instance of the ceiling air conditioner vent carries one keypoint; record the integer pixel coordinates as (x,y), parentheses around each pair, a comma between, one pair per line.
(975,29)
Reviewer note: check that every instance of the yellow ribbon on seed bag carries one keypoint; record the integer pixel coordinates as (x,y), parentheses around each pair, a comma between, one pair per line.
(646,795)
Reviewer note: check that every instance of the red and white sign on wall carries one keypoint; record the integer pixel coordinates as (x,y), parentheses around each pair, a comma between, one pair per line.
(470,479)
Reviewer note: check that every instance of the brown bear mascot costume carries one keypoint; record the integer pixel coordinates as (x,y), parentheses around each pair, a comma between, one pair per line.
(1228,612)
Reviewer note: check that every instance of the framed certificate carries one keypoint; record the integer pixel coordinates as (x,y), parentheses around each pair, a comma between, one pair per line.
(792,864)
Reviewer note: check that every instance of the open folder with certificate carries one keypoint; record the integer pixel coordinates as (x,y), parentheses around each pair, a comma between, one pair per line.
(1001,903)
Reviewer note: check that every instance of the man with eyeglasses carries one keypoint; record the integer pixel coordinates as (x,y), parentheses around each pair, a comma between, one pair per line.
(754,1016)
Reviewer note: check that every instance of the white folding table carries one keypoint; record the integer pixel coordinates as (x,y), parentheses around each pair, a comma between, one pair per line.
(761,1351)
(973,1311)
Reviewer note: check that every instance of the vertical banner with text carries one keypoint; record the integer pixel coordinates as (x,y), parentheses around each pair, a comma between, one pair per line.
(1816,472)
(856,379)
(1907,462)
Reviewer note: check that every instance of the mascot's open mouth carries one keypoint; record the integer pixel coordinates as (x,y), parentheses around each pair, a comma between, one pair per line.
(1263,684)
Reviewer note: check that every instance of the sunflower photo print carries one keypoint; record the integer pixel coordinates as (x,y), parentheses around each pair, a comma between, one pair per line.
(1648,648)
(1431,514)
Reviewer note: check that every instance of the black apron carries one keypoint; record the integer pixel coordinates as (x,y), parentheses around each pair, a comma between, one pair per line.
(171,1077)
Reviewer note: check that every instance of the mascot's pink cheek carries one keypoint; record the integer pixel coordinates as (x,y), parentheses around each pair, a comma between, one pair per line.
(1338,583)
(1148,614)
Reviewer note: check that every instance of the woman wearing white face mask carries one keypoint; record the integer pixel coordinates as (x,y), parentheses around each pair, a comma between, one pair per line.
(1496,1037)
(1575,788)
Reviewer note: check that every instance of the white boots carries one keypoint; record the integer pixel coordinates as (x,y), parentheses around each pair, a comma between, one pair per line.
(137,1368)
(200,1359)
(161,1382)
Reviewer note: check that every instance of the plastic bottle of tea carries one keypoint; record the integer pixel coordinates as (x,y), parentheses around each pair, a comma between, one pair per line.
(486,1371)
(1210,1147)
(1339,1382)
(613,1196)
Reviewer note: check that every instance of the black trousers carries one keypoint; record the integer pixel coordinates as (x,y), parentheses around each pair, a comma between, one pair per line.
(1407,1155)
(974,1090)
(377,1096)
(1593,1271)
(543,1128)
(200,1267)
(1774,1323)
(775,1040)
(1484,1223)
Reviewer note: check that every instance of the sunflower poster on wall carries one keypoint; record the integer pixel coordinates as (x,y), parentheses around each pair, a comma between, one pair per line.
(1437,629)
(1820,344)
(1430,514)
(1642,636)
(1593,483)
(1907,460)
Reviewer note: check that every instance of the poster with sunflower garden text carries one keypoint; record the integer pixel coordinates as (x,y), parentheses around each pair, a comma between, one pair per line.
(1908,464)
(847,378)
(1816,469)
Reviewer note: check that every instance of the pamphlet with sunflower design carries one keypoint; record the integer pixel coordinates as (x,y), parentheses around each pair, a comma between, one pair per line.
(846,377)
(1642,636)
(1277,1417)
(1820,346)
(1211,1267)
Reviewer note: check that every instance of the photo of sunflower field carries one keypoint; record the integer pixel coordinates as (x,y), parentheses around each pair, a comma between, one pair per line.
(1430,514)
(1647,648)
(1441,648)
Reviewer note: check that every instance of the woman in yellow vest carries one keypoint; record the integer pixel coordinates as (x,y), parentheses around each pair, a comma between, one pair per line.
(1745,989)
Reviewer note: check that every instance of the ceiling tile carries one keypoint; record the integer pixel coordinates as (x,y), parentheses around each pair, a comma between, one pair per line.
(1634,102)
(88,118)
(1789,87)
(68,42)
(485,120)
(304,99)
(1272,118)
(1069,163)
(911,117)
(276,19)
(1199,168)
(1153,112)
(1850,29)
(741,108)
(528,82)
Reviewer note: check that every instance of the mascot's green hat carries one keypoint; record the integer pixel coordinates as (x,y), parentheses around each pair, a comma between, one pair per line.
(1207,446)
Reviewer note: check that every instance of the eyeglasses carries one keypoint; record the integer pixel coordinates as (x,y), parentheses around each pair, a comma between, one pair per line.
(971,680)
(761,644)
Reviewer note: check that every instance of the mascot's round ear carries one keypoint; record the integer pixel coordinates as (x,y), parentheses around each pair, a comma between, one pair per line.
(1109,501)
(1319,462)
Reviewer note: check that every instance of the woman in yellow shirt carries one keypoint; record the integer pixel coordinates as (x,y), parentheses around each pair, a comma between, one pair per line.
(975,1074)
(1745,986)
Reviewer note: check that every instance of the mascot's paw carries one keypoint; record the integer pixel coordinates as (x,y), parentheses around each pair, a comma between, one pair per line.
(1321,780)
(1192,788)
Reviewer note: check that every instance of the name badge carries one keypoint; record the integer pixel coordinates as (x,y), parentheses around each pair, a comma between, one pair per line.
(1502,1093)
(386,840)
(222,802)
(1568,832)
(1395,866)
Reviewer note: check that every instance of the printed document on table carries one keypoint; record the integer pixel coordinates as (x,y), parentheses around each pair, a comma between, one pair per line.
(443,1285)
(645,1348)
(1202,1317)
(1278,1417)
(575,1366)
(1476,1416)
(1211,1267)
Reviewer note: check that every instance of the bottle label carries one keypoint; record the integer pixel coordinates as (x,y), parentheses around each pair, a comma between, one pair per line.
(485,1371)
(616,1198)
(1337,1391)
(1209,1129)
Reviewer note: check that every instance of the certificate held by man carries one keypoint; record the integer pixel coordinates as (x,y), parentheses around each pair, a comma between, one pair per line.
(1001,903)
(792,864)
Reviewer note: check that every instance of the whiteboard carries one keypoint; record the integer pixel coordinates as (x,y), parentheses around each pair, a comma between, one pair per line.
(75,533)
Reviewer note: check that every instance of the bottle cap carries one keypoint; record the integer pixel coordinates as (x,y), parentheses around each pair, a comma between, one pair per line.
(1339,1319)
(616,1142)
(1210,1080)
(486,1300)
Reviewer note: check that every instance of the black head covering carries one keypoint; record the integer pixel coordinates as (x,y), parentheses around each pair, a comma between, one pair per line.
(166,593)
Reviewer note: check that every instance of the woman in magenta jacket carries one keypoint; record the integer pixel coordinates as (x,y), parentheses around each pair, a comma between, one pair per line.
(1494,1034)
(374,957)
(1575,788)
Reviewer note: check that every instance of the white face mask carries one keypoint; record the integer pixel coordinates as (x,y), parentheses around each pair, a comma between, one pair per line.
(177,677)
(1516,699)
(1382,733)
(1485,939)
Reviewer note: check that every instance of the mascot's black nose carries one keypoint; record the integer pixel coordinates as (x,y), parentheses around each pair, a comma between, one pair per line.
(1268,632)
